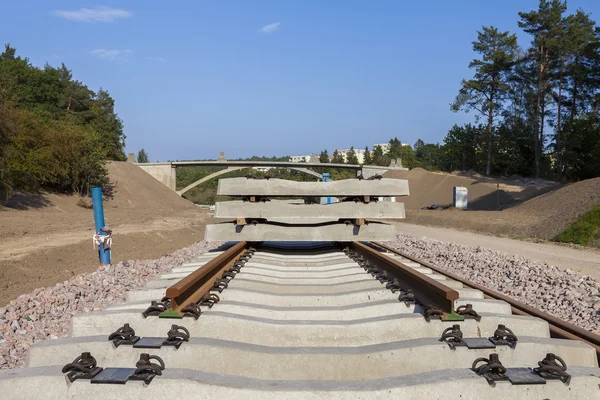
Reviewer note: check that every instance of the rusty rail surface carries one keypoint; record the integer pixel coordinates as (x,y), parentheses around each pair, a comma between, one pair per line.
(197,284)
(427,290)
(558,328)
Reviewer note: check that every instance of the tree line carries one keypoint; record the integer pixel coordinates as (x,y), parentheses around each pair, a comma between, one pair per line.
(537,108)
(377,156)
(55,133)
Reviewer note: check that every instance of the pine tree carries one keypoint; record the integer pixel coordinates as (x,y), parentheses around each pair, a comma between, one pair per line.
(324,157)
(142,156)
(545,26)
(577,47)
(368,160)
(488,89)
(378,156)
(337,158)
(351,156)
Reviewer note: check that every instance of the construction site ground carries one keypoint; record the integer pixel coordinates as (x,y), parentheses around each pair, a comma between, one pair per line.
(47,238)
(519,208)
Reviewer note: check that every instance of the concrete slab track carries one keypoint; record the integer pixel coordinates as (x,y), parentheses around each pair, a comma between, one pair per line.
(311,327)
(329,363)
(449,384)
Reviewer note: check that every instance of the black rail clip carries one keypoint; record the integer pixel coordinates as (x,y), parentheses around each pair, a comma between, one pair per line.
(157,307)
(467,311)
(393,285)
(432,312)
(125,336)
(209,300)
(550,368)
(192,310)
(503,336)
(553,367)
(220,285)
(85,367)
(407,296)
(453,337)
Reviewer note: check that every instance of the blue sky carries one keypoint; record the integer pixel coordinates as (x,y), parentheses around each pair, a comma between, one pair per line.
(194,78)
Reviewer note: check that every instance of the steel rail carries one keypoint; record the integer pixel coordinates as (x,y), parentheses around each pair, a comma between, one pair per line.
(197,284)
(558,328)
(427,290)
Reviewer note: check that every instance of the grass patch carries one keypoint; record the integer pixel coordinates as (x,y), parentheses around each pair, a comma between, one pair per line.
(584,230)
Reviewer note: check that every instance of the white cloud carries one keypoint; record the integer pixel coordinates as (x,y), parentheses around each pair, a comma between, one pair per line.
(98,14)
(270,28)
(161,59)
(110,54)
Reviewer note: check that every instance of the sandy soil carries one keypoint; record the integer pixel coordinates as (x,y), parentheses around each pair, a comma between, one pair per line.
(485,194)
(521,208)
(48,238)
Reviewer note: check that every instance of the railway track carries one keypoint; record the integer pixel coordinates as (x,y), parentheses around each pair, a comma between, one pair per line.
(319,320)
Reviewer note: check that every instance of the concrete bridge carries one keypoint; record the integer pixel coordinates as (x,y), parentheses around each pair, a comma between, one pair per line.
(166,172)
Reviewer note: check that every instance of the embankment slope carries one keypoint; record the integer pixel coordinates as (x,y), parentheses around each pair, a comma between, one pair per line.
(46,238)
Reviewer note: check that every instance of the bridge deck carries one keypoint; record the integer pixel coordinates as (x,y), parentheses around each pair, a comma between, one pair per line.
(282,164)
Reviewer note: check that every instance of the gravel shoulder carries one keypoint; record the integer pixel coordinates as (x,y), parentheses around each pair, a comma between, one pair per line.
(585,261)
(45,313)
(564,293)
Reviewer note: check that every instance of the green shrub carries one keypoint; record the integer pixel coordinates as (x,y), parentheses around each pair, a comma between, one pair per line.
(584,230)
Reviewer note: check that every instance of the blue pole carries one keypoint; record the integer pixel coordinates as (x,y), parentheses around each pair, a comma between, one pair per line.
(325,178)
(104,254)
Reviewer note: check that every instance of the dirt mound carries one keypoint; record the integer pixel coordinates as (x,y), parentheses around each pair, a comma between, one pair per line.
(522,208)
(136,202)
(427,188)
(135,197)
(135,189)
(47,238)
(558,208)
(468,173)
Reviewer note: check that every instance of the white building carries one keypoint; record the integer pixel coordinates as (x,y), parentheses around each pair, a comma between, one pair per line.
(299,159)
(261,169)
(384,146)
(360,154)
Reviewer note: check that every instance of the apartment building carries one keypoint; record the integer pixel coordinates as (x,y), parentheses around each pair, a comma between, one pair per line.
(384,146)
(299,159)
(360,154)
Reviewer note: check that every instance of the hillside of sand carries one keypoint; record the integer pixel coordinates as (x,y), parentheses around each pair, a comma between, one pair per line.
(47,238)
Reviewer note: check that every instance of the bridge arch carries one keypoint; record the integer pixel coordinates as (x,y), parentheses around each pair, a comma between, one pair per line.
(231,169)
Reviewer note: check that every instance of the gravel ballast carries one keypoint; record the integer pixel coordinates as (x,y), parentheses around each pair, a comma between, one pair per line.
(563,293)
(46,312)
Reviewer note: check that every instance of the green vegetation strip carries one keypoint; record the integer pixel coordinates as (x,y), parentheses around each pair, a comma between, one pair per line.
(584,230)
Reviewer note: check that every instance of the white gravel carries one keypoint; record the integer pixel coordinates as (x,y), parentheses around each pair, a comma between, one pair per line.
(46,313)
(563,293)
